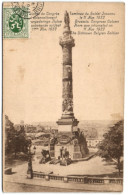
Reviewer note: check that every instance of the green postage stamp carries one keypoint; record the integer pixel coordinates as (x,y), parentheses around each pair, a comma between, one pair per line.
(14,26)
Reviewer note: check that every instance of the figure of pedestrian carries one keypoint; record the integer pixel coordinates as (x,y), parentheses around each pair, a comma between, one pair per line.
(63,153)
(66,153)
(34,149)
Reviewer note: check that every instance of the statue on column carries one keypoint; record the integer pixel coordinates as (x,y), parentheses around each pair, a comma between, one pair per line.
(66,18)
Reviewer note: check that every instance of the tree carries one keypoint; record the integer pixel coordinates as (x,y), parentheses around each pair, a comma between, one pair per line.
(15,141)
(111,148)
(20,142)
(9,134)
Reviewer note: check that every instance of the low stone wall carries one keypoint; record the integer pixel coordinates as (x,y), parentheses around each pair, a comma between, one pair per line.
(8,171)
(78,179)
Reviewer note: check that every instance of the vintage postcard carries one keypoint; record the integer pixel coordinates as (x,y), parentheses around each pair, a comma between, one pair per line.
(63,96)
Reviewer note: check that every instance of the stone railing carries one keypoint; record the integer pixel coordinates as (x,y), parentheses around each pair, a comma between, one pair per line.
(94,180)
(38,174)
(116,181)
(56,177)
(78,179)
(104,180)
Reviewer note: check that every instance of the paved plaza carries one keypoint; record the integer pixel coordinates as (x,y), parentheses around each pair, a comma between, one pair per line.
(94,166)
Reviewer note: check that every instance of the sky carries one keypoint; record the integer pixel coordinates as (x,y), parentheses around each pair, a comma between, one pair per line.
(32,72)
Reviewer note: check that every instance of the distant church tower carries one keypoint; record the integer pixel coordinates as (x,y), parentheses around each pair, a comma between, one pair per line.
(67,121)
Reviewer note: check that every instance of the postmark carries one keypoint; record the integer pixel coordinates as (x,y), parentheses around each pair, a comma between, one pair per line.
(28,10)
(14,26)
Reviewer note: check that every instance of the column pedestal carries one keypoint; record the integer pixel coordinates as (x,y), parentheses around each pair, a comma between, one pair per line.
(67,124)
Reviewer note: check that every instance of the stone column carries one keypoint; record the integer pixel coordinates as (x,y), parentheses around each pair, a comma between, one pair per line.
(67,42)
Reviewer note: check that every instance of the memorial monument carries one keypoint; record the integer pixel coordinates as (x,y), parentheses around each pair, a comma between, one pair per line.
(69,135)
(67,121)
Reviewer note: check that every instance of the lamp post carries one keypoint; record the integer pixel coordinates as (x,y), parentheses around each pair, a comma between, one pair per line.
(29,171)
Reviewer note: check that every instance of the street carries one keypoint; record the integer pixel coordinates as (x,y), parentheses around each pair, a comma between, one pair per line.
(18,187)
